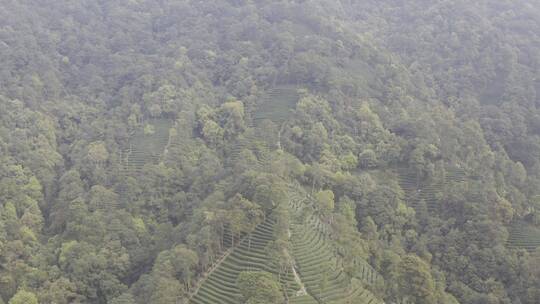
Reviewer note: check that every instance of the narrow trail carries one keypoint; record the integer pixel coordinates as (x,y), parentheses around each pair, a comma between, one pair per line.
(302,291)
(169,143)
(207,273)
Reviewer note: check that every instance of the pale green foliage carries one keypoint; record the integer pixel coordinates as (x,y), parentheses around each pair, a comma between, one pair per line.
(212,132)
(149,129)
(325,202)
(97,152)
(349,161)
(24,297)
(259,288)
(166,291)
(243,215)
(415,280)
(179,262)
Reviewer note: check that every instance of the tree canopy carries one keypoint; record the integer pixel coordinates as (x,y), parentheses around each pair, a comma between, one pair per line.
(141,142)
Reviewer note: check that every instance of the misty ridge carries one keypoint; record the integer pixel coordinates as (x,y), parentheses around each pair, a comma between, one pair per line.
(269,152)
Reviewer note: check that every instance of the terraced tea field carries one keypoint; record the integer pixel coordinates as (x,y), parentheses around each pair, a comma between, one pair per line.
(362,75)
(321,271)
(276,105)
(318,265)
(523,235)
(367,274)
(317,277)
(417,191)
(146,148)
(305,299)
(220,285)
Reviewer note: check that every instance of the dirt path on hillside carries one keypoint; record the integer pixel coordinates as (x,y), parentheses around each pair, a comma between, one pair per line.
(297,278)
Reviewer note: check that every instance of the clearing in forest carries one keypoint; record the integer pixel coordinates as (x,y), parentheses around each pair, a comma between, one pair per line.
(430,192)
(276,104)
(249,255)
(316,277)
(524,235)
(147,144)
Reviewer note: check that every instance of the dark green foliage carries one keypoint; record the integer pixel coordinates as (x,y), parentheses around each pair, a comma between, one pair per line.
(381,150)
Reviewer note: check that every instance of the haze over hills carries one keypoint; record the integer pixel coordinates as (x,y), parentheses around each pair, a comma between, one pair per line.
(253,151)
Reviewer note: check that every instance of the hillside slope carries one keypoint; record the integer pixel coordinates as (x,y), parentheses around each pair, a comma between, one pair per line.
(149,151)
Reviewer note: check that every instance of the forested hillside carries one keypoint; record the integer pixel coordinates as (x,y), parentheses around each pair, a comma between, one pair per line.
(268,152)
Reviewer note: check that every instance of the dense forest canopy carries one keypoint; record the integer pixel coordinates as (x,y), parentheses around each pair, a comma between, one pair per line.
(253,151)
